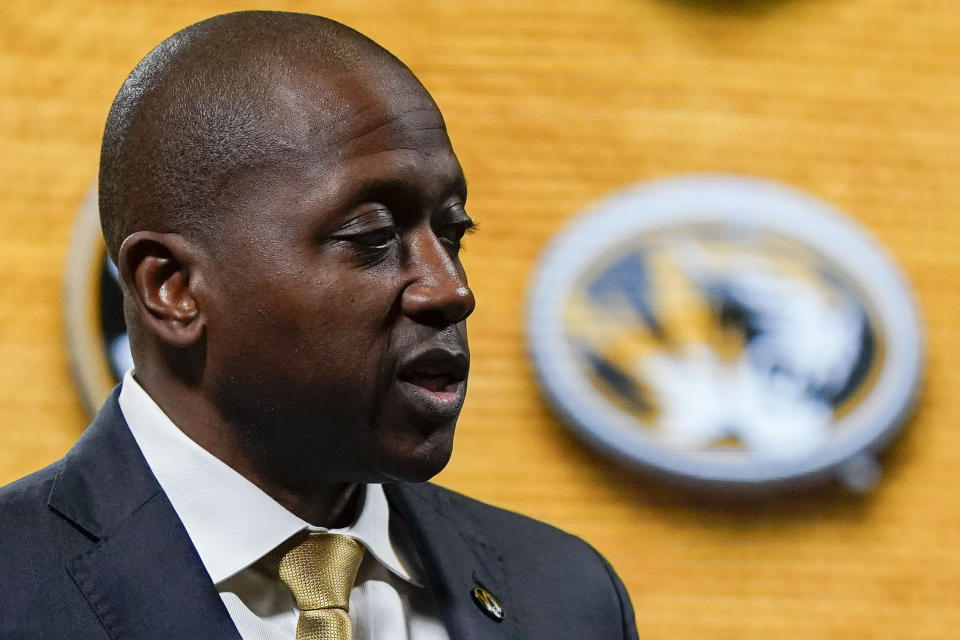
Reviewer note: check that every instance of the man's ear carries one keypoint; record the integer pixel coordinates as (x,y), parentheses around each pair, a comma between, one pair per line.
(159,273)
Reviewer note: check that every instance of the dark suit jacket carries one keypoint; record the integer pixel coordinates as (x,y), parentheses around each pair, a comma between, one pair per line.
(90,547)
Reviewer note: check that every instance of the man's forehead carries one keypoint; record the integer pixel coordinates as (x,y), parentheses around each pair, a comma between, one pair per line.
(350,112)
(352,134)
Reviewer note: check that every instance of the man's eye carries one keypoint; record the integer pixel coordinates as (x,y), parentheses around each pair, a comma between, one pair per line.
(452,234)
(371,233)
(378,239)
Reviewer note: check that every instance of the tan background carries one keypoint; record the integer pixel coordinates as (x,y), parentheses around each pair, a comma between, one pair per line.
(552,104)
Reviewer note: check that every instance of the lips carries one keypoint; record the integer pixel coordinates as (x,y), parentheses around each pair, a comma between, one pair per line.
(434,382)
(435,369)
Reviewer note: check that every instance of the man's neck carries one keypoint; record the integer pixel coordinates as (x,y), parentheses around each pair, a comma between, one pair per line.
(330,505)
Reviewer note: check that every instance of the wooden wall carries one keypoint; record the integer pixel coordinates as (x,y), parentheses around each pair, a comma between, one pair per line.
(552,104)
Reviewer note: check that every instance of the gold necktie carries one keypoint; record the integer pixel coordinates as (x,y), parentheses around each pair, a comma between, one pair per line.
(320,572)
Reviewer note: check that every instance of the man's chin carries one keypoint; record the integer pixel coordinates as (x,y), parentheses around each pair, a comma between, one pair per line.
(415,464)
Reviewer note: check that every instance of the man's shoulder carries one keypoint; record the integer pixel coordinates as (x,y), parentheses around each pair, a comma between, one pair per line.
(489,515)
(27,497)
(512,533)
(543,566)
(35,542)
(29,526)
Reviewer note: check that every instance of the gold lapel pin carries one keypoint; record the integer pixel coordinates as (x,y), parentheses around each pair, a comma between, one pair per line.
(488,603)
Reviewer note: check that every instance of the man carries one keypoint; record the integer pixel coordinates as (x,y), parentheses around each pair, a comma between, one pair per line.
(285,210)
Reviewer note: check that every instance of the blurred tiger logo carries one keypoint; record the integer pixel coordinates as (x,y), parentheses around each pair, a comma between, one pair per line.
(718,339)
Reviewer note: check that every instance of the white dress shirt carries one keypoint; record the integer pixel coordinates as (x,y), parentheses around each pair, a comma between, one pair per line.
(233,525)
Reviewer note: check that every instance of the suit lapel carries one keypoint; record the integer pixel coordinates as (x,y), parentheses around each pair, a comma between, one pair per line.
(457,560)
(142,576)
(144,579)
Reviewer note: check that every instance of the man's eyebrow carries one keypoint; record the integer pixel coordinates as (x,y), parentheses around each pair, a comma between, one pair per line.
(402,186)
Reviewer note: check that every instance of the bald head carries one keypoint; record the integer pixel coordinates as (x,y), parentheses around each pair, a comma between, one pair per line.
(220,99)
(285,209)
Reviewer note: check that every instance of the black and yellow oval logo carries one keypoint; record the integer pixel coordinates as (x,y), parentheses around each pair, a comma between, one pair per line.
(726,330)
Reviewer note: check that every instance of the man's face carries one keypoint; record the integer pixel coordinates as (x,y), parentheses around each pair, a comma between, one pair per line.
(336,328)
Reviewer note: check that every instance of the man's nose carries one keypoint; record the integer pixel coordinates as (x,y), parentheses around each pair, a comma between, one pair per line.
(437,293)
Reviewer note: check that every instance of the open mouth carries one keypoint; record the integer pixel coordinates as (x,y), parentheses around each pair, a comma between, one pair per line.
(437,370)
(431,382)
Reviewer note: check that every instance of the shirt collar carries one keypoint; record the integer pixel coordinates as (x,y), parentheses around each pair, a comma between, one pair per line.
(232,522)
